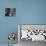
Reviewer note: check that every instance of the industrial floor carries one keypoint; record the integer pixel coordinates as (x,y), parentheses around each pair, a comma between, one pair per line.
(34,43)
(28,43)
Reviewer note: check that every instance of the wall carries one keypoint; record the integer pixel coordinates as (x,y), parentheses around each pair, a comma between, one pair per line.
(31,11)
(7,24)
(33,27)
(27,12)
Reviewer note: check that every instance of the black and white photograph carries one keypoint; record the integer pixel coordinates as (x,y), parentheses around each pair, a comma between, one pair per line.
(10,11)
(31,34)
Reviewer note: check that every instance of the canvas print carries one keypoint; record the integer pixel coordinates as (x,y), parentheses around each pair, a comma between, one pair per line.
(10,11)
(31,33)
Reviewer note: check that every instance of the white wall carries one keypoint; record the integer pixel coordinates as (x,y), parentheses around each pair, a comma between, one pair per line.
(33,27)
